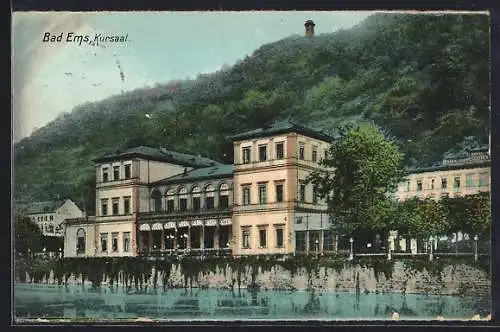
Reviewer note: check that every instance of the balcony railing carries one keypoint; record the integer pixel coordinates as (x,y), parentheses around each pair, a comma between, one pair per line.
(183,213)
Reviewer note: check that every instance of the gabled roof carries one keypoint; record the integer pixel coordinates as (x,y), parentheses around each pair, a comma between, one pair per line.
(159,154)
(282,127)
(215,172)
(41,207)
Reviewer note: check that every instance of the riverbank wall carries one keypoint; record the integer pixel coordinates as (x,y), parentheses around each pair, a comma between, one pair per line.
(404,276)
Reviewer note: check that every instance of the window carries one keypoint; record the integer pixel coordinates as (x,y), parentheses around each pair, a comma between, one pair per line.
(279,193)
(224,196)
(246,195)
(245,231)
(419,185)
(280,152)
(315,155)
(51,218)
(315,196)
(298,220)
(116,173)
(456,182)
(80,241)
(127,171)
(432,183)
(301,152)
(407,185)
(126,205)
(104,242)
(209,197)
(483,179)
(170,204)
(104,207)
(444,183)
(126,242)
(328,244)
(44,218)
(156,197)
(279,237)
(262,194)
(196,198)
(105,176)
(302,192)
(468,181)
(262,238)
(262,152)
(246,155)
(183,202)
(115,206)
(50,228)
(300,241)
(114,242)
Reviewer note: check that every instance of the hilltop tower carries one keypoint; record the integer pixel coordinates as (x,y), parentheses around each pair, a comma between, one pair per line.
(309,25)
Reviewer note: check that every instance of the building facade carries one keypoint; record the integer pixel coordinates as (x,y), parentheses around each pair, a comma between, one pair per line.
(457,175)
(272,196)
(158,201)
(50,215)
(123,194)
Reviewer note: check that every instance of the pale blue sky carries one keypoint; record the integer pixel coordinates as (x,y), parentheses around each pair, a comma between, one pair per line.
(52,78)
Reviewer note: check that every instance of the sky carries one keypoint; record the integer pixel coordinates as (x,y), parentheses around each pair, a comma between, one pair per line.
(51,78)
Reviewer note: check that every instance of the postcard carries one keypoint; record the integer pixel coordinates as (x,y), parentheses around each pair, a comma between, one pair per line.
(251,166)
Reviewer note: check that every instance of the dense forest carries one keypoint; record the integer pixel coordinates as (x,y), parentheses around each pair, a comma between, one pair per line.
(423,78)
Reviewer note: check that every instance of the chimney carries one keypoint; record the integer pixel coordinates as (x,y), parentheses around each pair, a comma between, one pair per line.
(309,25)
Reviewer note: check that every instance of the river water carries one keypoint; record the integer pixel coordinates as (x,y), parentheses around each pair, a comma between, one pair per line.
(32,301)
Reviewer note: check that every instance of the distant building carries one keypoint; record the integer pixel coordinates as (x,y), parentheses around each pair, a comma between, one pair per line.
(50,215)
(456,175)
(309,28)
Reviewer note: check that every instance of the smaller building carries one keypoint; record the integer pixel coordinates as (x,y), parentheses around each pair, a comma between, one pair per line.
(457,175)
(50,215)
(461,174)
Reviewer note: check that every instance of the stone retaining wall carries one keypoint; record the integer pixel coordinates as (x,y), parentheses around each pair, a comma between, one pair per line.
(453,280)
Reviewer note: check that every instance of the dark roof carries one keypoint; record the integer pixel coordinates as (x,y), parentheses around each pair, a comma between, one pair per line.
(215,172)
(282,127)
(41,207)
(309,22)
(159,154)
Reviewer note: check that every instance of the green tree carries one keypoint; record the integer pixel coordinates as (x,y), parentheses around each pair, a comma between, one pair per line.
(478,214)
(363,166)
(27,235)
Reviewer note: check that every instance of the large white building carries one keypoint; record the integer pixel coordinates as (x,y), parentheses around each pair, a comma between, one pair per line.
(50,215)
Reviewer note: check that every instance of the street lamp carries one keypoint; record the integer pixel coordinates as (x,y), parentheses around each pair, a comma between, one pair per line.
(317,245)
(351,255)
(475,247)
(60,252)
(431,240)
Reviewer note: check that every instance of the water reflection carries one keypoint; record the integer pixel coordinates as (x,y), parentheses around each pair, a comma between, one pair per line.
(51,301)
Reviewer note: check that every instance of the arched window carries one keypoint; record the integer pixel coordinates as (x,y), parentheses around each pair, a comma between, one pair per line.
(80,241)
(183,199)
(156,197)
(223,196)
(170,200)
(209,197)
(196,194)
